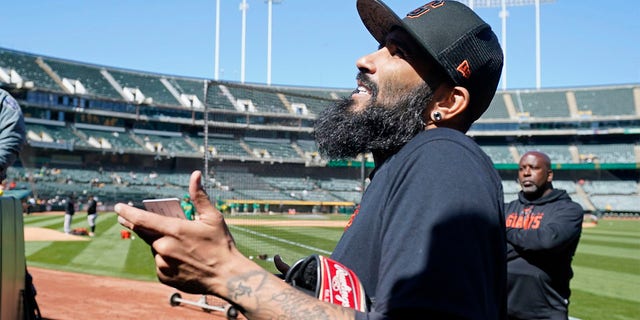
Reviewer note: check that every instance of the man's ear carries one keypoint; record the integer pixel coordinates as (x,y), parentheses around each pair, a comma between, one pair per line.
(549,175)
(451,102)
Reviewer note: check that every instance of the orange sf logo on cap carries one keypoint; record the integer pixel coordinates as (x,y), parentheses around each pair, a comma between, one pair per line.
(465,69)
(424,9)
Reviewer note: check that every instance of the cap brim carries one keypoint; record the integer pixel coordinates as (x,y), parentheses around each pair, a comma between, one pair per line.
(378,18)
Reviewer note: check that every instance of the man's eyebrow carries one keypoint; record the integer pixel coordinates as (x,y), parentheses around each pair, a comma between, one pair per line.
(389,40)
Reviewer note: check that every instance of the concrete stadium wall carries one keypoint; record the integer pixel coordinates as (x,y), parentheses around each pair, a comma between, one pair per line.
(12,259)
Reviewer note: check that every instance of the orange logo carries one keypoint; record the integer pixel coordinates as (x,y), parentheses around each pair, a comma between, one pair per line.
(465,69)
(526,221)
(425,8)
(353,216)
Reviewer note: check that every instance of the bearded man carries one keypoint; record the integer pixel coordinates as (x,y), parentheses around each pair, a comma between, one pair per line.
(428,240)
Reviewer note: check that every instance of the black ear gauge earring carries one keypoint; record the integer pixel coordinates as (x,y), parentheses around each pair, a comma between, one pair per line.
(436,116)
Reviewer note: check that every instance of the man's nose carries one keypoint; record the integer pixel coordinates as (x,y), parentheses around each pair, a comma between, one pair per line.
(366,63)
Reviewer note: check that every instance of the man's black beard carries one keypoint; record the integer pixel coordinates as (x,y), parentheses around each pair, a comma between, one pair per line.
(341,133)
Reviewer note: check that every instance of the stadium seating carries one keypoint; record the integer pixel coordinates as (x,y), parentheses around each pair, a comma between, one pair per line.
(188,86)
(352,196)
(222,146)
(557,153)
(149,146)
(611,188)
(340,185)
(259,194)
(613,203)
(151,86)
(542,104)
(499,154)
(50,134)
(27,67)
(241,181)
(287,183)
(314,100)
(263,100)
(497,109)
(109,138)
(171,143)
(90,77)
(271,149)
(218,97)
(606,101)
(607,153)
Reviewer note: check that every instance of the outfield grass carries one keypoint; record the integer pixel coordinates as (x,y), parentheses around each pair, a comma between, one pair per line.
(108,254)
(606,284)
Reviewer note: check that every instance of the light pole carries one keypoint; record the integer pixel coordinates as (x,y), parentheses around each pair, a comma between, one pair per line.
(269,24)
(503,16)
(503,4)
(243,7)
(216,56)
(537,44)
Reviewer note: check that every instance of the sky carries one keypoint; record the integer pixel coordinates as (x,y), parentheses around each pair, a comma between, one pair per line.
(314,43)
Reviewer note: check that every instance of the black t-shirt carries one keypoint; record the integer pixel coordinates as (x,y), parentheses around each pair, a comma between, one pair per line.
(71,207)
(429,237)
(92,207)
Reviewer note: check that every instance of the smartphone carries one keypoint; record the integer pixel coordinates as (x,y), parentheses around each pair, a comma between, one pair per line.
(169,207)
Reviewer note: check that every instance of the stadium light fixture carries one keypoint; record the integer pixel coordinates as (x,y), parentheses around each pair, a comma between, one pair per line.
(503,4)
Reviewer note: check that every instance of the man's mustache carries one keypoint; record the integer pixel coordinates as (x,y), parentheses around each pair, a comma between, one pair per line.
(364,79)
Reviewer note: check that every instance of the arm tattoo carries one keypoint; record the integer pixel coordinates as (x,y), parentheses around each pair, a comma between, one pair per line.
(283,304)
(295,305)
(246,286)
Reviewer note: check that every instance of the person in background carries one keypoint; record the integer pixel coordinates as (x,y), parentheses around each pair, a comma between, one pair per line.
(92,214)
(69,211)
(428,240)
(12,132)
(187,207)
(543,230)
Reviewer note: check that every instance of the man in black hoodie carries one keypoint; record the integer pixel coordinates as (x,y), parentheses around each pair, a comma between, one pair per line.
(543,230)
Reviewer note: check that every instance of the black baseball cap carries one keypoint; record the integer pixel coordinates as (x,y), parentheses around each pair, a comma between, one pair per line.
(456,37)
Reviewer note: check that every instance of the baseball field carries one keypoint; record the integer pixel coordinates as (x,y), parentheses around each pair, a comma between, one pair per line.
(606,284)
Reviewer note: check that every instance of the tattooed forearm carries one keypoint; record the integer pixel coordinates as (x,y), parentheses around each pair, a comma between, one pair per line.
(246,286)
(263,299)
(296,305)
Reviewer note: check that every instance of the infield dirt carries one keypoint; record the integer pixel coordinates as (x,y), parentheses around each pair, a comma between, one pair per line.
(64,295)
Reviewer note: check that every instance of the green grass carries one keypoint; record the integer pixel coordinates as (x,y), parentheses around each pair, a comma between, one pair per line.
(606,284)
(108,254)
(105,254)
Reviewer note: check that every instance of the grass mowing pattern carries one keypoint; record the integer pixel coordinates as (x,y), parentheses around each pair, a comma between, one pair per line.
(108,254)
(606,284)
(105,254)
(290,243)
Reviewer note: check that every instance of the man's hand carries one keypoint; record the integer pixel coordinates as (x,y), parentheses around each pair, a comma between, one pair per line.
(187,253)
(201,257)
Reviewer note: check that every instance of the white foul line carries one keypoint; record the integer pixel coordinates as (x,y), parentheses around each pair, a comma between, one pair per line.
(297,244)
